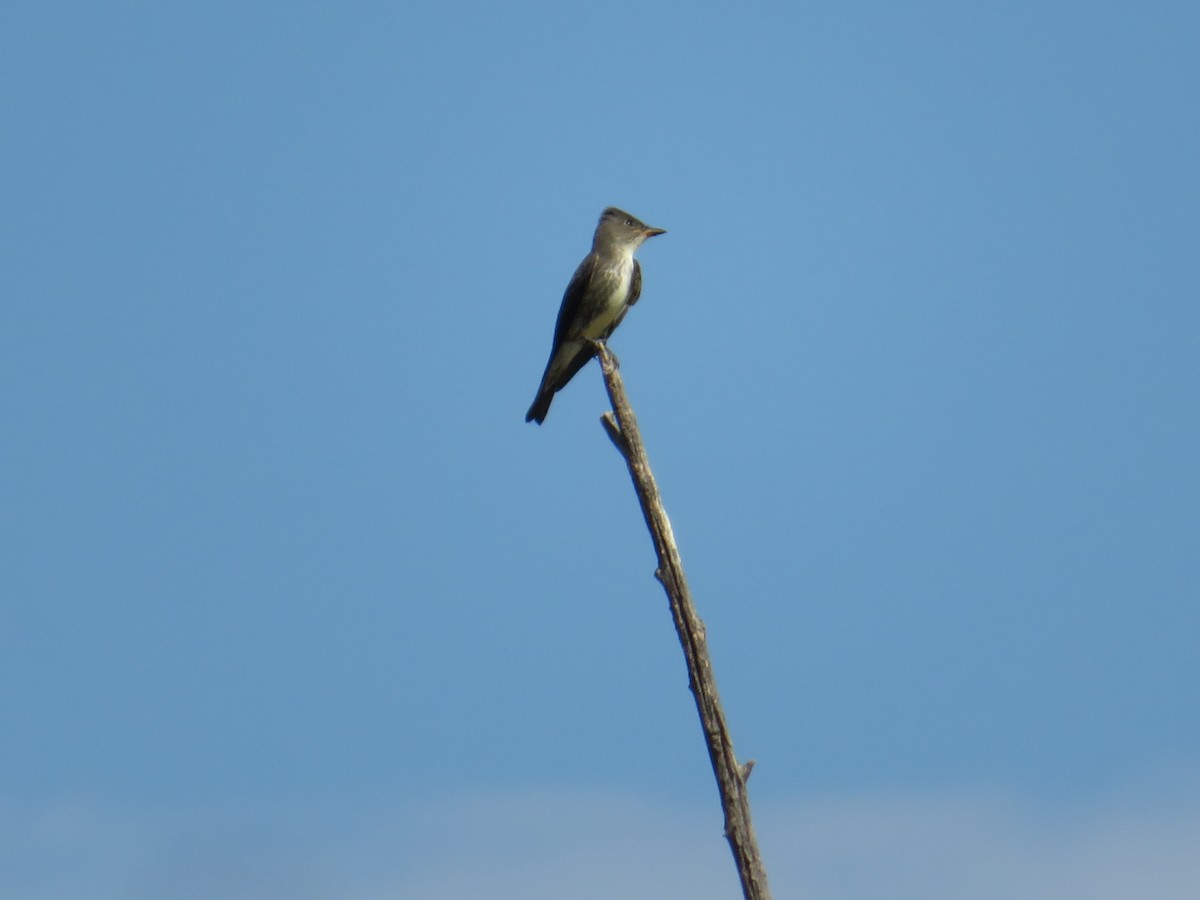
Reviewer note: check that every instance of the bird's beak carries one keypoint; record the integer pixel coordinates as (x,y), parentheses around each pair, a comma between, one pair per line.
(651,232)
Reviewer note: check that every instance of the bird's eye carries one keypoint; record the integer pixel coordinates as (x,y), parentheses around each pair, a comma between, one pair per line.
(629,222)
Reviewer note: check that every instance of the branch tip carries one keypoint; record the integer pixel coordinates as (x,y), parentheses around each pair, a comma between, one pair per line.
(613,430)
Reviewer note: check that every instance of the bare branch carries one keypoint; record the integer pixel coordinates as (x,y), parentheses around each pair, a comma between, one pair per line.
(731,777)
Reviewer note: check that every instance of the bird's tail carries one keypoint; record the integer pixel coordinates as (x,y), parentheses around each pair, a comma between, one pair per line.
(541,406)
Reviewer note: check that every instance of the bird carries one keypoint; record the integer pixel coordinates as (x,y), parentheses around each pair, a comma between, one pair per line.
(606,284)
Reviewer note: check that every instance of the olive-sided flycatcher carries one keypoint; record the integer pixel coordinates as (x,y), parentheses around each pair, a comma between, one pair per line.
(606,284)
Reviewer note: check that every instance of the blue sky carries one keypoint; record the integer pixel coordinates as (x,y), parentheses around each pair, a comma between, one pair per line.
(293,602)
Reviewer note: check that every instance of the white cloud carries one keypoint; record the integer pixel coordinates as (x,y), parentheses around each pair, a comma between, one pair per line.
(590,844)
(983,846)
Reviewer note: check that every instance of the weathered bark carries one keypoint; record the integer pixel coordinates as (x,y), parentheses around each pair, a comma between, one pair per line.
(731,777)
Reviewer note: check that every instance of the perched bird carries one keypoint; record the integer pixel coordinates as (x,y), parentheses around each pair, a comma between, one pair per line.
(606,284)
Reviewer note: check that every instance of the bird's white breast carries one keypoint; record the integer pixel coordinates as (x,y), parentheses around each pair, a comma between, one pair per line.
(614,303)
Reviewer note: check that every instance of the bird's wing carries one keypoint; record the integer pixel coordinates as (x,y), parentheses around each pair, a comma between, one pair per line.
(568,312)
(582,353)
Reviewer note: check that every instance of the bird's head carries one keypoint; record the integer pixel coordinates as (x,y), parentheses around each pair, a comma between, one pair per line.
(617,227)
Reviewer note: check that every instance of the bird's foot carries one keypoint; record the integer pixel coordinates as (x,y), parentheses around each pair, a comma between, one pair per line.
(600,348)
